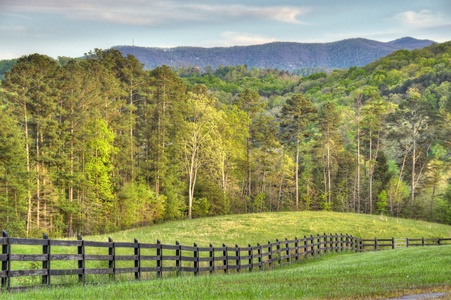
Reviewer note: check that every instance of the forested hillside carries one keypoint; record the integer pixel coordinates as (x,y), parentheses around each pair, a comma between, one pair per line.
(293,57)
(101,144)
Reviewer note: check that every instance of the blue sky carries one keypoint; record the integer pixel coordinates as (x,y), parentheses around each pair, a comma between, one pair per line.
(74,27)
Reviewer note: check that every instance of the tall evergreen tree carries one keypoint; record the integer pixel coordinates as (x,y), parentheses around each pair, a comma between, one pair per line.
(249,101)
(13,174)
(297,118)
(32,83)
(330,143)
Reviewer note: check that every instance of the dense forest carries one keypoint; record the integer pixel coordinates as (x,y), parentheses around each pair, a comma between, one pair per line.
(100,144)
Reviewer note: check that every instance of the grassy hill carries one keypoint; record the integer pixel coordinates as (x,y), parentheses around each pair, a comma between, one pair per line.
(369,275)
(382,274)
(259,228)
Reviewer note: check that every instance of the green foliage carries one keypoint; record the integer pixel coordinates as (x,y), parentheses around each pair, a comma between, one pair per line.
(201,207)
(99,144)
(138,205)
(382,203)
(98,164)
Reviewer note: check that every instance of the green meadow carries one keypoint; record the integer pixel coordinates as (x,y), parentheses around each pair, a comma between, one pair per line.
(347,275)
(263,227)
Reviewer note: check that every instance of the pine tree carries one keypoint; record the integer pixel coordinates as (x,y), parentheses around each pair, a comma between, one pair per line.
(297,118)
(249,101)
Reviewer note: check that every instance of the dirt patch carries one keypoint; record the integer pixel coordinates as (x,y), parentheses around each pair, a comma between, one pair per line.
(440,295)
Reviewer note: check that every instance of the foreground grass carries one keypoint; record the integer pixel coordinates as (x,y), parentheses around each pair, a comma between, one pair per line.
(259,228)
(390,273)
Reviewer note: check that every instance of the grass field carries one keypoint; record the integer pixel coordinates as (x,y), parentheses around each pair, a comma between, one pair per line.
(259,228)
(348,275)
(383,274)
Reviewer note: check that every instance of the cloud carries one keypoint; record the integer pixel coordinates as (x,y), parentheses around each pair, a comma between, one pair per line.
(148,13)
(230,38)
(284,14)
(421,19)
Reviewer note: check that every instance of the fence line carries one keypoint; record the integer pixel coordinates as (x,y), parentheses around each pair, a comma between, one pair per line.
(55,259)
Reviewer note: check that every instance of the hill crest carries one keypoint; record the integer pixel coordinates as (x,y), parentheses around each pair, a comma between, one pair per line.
(276,55)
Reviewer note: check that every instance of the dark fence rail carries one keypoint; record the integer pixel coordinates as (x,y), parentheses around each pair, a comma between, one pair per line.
(43,262)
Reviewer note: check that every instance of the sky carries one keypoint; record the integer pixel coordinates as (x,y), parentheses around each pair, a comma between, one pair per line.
(75,27)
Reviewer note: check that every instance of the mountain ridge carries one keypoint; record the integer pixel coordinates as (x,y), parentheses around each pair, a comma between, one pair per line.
(276,55)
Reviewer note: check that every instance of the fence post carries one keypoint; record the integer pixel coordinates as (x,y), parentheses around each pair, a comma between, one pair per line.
(422,241)
(225,261)
(112,262)
(287,250)
(269,255)
(333,241)
(318,241)
(259,252)
(81,262)
(312,245)
(375,244)
(341,242)
(196,260)
(159,260)
(327,242)
(46,262)
(278,251)
(251,257)
(212,259)
(337,242)
(347,241)
(137,260)
(352,243)
(407,242)
(296,248)
(238,258)
(178,259)
(393,246)
(6,249)
(353,246)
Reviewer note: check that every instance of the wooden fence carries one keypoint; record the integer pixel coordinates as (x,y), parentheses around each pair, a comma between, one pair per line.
(43,262)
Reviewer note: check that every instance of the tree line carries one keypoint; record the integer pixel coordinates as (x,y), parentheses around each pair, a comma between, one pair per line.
(100,144)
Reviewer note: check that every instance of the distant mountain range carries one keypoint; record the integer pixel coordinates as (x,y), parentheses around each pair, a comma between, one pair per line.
(278,55)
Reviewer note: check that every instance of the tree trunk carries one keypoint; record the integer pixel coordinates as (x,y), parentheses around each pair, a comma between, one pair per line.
(297,174)
(358,170)
(249,171)
(329,185)
(370,175)
(27,150)
(412,188)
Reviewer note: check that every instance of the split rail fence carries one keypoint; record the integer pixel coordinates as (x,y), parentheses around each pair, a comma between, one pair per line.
(44,262)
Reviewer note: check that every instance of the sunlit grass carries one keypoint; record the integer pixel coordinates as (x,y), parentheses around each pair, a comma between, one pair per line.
(362,275)
(244,230)
(264,227)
